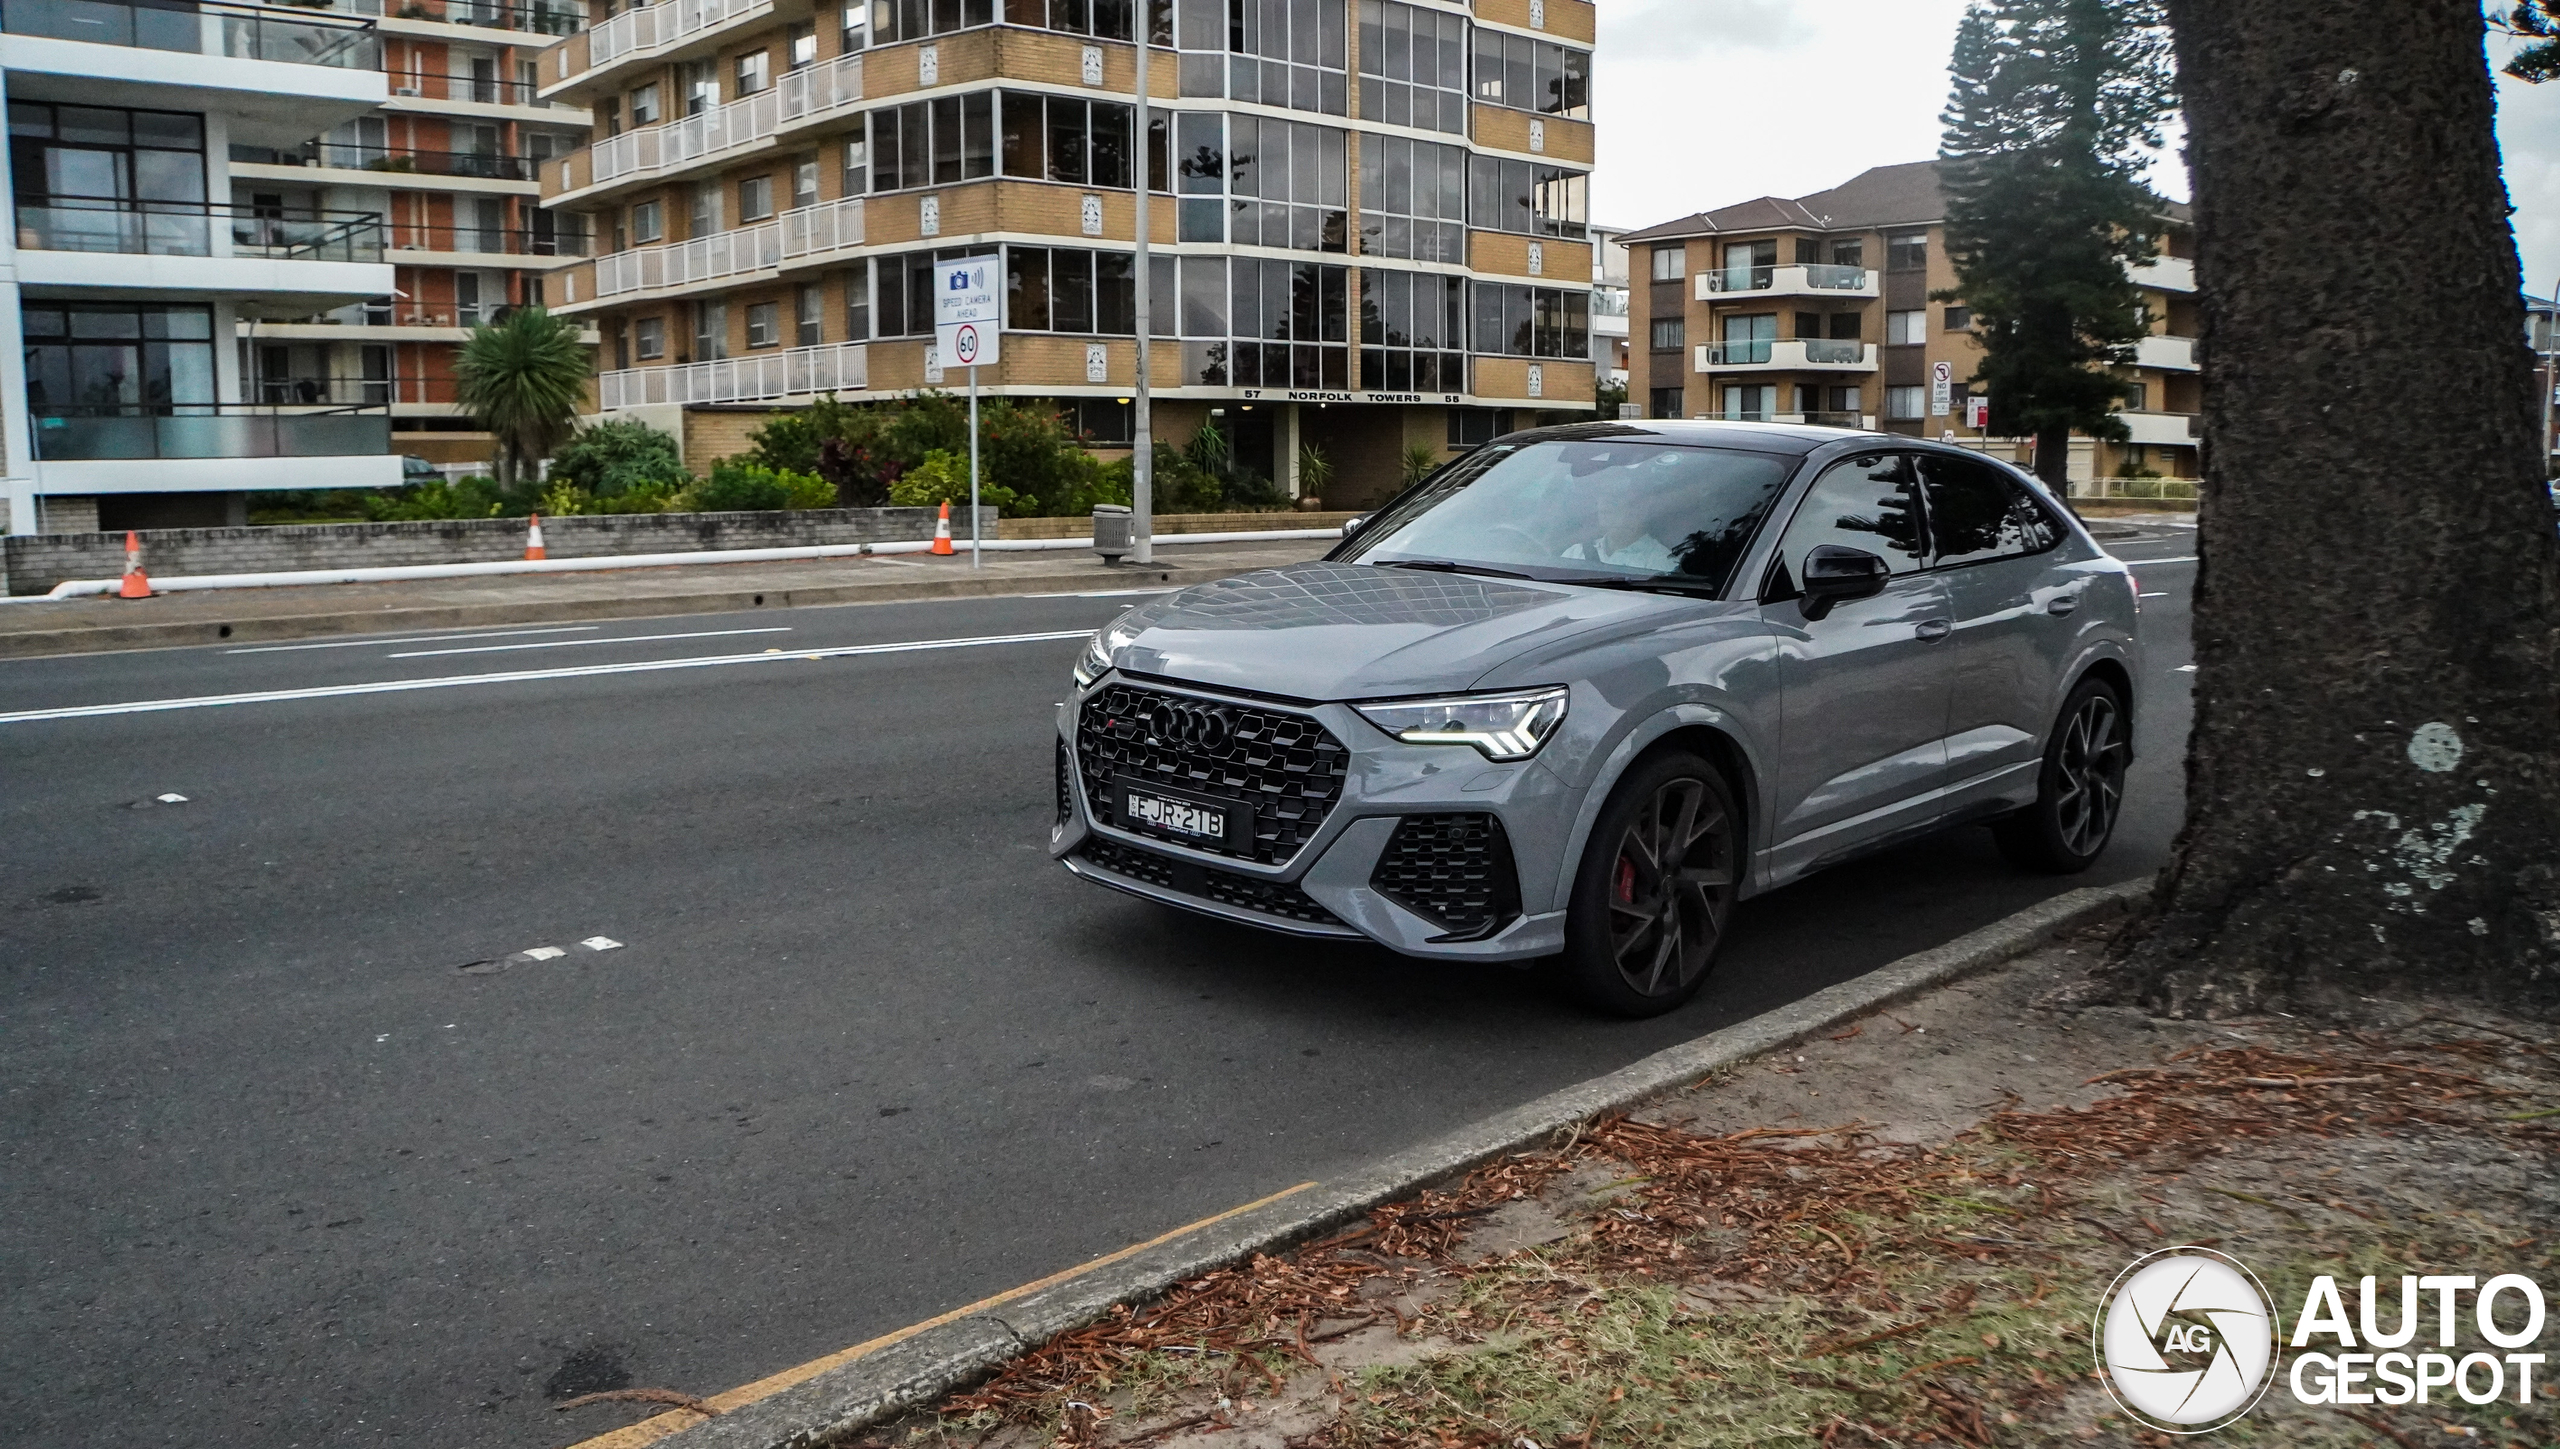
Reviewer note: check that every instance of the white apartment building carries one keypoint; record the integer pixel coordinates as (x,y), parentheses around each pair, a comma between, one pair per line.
(135,261)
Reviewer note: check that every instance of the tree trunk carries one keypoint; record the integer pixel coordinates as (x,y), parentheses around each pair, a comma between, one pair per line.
(2370,787)
(2053,459)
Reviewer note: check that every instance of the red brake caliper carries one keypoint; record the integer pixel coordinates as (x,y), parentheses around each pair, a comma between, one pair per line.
(1626,881)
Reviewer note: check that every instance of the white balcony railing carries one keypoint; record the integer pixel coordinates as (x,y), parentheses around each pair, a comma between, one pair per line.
(2174,354)
(2162,430)
(800,372)
(2167,274)
(804,231)
(813,91)
(1793,281)
(1807,354)
(646,27)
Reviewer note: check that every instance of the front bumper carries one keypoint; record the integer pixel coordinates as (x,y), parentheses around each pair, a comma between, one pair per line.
(1490,833)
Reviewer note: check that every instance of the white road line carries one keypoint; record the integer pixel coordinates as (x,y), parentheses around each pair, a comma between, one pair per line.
(525,676)
(421,639)
(2157,595)
(566,643)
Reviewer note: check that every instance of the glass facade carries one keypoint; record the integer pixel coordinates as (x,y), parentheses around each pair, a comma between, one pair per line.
(1285,53)
(1413,66)
(1413,199)
(1413,329)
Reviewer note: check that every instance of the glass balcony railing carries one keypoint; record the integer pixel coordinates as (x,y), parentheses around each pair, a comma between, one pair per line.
(209,430)
(1739,353)
(1742,279)
(1835,279)
(1824,350)
(189,228)
(202,27)
(541,19)
(490,240)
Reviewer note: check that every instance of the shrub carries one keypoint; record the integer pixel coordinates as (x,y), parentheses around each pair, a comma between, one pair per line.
(944,477)
(474,497)
(738,486)
(614,458)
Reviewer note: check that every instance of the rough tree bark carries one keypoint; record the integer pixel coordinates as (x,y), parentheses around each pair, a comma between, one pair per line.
(2371,783)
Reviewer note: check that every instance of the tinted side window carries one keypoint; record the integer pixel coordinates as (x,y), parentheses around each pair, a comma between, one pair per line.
(1976,512)
(1863,503)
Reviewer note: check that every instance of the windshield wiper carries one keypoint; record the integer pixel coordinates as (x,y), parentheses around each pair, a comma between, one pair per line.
(1446,566)
(1658,584)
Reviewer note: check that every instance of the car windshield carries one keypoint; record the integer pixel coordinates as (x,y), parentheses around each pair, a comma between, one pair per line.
(1608,512)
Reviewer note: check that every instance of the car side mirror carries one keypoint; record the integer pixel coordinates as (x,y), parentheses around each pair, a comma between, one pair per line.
(1834,575)
(1351,526)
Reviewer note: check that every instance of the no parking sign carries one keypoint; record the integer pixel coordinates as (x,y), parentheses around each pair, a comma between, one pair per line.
(968,312)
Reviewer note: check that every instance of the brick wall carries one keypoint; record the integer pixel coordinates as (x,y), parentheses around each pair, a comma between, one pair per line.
(36,562)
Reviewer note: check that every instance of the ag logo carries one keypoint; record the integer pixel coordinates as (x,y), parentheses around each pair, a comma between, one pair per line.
(2187,1338)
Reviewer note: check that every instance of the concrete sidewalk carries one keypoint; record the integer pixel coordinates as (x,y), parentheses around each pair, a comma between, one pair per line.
(98,625)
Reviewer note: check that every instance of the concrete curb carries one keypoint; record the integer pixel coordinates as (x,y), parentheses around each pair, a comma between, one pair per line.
(252,629)
(905,1375)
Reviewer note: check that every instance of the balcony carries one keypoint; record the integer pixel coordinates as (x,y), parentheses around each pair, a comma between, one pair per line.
(540,19)
(1805,354)
(1797,281)
(481,90)
(208,430)
(2160,430)
(484,241)
(802,232)
(810,91)
(2172,354)
(202,27)
(192,229)
(402,161)
(2165,274)
(646,28)
(800,372)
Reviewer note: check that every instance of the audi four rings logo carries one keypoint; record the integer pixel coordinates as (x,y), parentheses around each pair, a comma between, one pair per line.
(1190,724)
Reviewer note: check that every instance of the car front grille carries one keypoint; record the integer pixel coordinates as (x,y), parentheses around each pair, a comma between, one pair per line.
(1263,897)
(1453,869)
(1284,766)
(1066,797)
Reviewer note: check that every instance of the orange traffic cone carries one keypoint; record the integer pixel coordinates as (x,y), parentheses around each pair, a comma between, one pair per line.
(136,585)
(533,540)
(942,531)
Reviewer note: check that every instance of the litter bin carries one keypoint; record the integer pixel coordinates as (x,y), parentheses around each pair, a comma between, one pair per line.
(1114,532)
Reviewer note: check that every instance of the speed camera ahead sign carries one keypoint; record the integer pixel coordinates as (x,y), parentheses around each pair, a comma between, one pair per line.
(968,312)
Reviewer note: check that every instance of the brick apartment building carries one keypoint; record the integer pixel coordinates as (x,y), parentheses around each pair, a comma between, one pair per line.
(1369,228)
(1818,309)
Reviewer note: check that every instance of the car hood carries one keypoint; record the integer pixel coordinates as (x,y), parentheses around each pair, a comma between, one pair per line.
(1327,631)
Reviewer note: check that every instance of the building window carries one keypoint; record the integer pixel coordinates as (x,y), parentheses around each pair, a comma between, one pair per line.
(649,337)
(1056,138)
(1260,323)
(1413,199)
(1512,321)
(710,331)
(1852,253)
(111,158)
(896,20)
(857,304)
(804,182)
(1108,422)
(1750,402)
(645,223)
(902,297)
(1103,19)
(857,158)
(1670,263)
(1471,428)
(704,216)
(855,31)
(1532,75)
(1412,332)
(1526,198)
(1069,289)
(106,358)
(701,86)
(1670,334)
(1286,53)
(1284,181)
(1664,403)
(755,72)
(764,324)
(1907,253)
(1904,329)
(755,198)
(1413,67)
(1959,319)
(808,305)
(934,143)
(803,44)
(1903,404)
(644,105)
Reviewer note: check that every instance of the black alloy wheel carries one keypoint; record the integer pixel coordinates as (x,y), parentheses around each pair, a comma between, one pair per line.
(1656,888)
(2079,790)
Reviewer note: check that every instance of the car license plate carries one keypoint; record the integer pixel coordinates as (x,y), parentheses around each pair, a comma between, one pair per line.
(1210,822)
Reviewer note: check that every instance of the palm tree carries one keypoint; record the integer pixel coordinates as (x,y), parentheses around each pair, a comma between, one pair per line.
(523,378)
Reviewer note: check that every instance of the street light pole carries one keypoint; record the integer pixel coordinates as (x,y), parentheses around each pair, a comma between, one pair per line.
(1142,455)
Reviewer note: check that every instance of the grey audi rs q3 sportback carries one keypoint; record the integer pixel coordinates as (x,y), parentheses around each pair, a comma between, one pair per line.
(1582,690)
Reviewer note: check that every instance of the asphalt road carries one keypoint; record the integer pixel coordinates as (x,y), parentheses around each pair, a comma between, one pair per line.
(275,1171)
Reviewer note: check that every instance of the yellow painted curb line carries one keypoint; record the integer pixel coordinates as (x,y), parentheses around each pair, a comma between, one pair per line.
(650,1431)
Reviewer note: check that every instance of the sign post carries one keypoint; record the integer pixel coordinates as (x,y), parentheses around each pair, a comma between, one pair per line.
(1942,388)
(968,321)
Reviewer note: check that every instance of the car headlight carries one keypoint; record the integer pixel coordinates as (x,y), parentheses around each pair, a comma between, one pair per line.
(1510,726)
(1106,641)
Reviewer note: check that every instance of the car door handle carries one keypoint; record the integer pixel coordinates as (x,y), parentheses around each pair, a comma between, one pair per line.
(2061,604)
(1934,630)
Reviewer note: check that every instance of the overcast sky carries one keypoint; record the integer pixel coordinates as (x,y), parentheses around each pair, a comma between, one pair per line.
(1703,103)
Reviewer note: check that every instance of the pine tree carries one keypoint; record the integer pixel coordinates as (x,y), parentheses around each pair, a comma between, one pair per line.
(2057,105)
